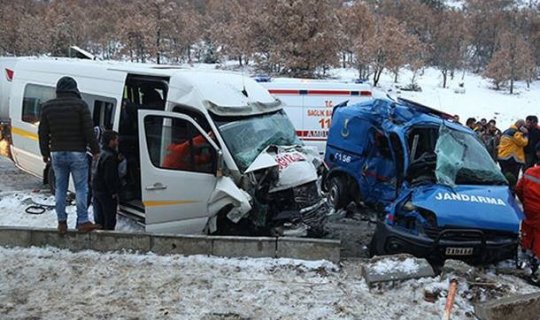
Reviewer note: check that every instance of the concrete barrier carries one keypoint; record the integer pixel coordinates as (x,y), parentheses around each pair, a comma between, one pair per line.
(522,307)
(117,241)
(186,245)
(74,241)
(13,237)
(375,271)
(256,247)
(308,249)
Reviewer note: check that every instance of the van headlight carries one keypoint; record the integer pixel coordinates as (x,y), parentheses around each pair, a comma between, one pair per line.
(409,206)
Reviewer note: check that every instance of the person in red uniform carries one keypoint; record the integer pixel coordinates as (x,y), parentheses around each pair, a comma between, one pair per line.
(528,191)
(183,156)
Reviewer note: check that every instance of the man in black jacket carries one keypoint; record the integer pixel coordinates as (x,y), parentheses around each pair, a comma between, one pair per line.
(65,129)
(534,139)
(106,182)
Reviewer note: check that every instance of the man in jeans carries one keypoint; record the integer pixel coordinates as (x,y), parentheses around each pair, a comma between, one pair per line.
(65,129)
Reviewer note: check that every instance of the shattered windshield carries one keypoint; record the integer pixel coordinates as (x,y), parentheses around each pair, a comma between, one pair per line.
(462,159)
(246,137)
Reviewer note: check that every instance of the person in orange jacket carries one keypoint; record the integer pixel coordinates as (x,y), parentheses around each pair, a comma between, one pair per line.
(528,192)
(188,155)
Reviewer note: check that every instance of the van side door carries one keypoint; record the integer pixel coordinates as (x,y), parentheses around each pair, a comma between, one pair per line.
(179,162)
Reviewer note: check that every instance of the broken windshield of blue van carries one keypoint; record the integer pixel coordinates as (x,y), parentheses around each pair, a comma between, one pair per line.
(462,159)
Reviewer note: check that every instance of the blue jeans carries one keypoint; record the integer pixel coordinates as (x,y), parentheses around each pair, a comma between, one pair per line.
(76,163)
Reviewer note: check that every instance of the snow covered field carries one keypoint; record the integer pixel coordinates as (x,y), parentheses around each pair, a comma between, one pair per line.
(57,284)
(479,100)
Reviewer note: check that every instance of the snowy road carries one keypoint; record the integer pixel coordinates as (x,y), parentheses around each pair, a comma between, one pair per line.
(18,190)
(56,284)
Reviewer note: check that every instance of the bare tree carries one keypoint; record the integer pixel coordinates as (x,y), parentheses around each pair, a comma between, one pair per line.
(387,48)
(450,42)
(304,34)
(512,61)
(357,26)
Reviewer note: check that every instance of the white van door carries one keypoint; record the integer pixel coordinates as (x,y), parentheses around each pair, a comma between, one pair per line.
(179,162)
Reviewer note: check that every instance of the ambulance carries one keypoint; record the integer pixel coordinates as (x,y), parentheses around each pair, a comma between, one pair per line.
(207,151)
(309,104)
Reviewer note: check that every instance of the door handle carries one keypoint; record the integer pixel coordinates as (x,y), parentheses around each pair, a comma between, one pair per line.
(156,186)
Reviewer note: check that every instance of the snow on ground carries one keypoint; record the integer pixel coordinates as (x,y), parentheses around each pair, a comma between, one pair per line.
(408,265)
(479,99)
(13,205)
(57,284)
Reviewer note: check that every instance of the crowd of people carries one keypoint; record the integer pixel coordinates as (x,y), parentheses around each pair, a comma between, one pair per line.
(517,150)
(514,148)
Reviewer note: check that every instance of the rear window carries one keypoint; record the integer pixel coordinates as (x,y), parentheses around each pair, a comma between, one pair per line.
(34,97)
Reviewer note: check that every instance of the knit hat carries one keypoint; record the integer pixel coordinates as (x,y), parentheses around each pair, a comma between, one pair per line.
(67,85)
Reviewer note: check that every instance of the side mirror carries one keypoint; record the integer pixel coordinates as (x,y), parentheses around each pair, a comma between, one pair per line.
(220,164)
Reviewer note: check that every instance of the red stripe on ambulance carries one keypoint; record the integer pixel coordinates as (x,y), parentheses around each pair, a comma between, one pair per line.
(364,93)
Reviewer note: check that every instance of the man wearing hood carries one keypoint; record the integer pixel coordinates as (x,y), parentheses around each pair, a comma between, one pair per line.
(65,130)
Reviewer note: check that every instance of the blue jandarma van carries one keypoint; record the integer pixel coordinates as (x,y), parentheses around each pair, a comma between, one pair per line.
(439,193)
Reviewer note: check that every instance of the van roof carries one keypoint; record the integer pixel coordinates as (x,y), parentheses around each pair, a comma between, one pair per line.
(224,93)
(401,112)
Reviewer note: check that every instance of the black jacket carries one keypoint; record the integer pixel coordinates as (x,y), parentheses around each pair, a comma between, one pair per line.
(66,124)
(105,178)
(534,139)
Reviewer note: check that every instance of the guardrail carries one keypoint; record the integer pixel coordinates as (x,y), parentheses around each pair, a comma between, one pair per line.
(163,244)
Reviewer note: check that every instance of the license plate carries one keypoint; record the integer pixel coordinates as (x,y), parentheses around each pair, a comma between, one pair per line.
(459,251)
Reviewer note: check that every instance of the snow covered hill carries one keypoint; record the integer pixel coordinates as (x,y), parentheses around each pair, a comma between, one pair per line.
(479,99)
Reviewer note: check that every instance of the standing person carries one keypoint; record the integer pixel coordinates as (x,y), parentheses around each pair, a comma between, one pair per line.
(106,182)
(511,154)
(491,137)
(65,129)
(90,157)
(528,192)
(471,123)
(534,139)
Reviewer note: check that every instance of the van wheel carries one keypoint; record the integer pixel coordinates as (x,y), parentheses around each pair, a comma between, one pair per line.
(373,248)
(51,180)
(338,195)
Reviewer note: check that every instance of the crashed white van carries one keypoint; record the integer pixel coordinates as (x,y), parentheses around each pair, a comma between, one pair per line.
(207,151)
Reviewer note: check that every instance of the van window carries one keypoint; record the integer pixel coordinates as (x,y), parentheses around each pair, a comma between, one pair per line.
(34,97)
(103,114)
(176,144)
(196,116)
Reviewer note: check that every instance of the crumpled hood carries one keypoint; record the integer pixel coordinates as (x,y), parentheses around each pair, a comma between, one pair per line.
(480,207)
(295,165)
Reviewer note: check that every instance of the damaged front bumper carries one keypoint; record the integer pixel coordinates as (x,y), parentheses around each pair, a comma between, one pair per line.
(299,211)
(471,246)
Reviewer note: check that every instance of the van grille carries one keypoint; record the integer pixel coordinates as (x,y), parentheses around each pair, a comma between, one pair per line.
(469,235)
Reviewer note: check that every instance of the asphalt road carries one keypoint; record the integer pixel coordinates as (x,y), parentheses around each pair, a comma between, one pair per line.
(14,179)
